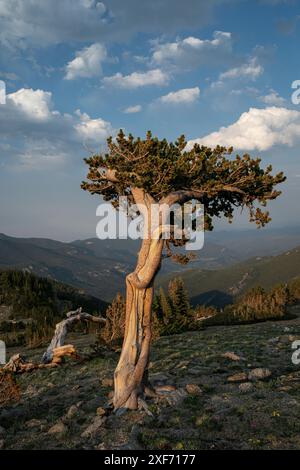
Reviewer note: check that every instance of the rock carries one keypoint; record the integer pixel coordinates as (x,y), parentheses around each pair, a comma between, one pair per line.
(285,388)
(72,412)
(58,428)
(2,443)
(2,431)
(245,387)
(76,387)
(34,423)
(182,365)
(193,389)
(240,377)
(100,446)
(165,388)
(107,382)
(100,411)
(111,394)
(93,428)
(259,373)
(176,397)
(231,355)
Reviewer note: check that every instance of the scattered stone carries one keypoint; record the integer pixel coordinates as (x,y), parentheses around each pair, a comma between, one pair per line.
(2,442)
(245,387)
(182,365)
(100,411)
(58,428)
(31,390)
(239,377)
(176,397)
(50,385)
(100,446)
(231,355)
(107,382)
(93,428)
(72,412)
(259,373)
(193,389)
(34,423)
(165,388)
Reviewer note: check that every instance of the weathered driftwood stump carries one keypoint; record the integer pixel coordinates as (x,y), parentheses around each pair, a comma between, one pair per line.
(56,349)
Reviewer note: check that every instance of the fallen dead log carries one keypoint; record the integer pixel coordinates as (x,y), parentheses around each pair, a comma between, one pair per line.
(18,364)
(56,349)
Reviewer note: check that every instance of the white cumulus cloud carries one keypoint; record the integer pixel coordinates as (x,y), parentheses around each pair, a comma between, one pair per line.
(96,130)
(34,103)
(33,135)
(87,63)
(133,109)
(183,96)
(138,79)
(257,129)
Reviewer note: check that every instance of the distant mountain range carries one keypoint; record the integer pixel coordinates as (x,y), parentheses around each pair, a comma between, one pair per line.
(222,286)
(99,267)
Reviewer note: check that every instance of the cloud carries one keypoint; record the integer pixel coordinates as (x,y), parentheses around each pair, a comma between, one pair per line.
(192,52)
(133,109)
(26,23)
(34,103)
(95,130)
(154,77)
(257,129)
(31,131)
(273,99)
(183,96)
(87,63)
(251,70)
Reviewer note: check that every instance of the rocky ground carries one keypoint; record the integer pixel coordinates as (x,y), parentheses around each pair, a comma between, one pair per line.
(232,387)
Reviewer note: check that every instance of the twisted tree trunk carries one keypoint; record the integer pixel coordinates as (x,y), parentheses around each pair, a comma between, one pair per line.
(131,375)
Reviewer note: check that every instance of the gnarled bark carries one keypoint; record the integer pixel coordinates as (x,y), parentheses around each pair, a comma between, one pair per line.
(131,375)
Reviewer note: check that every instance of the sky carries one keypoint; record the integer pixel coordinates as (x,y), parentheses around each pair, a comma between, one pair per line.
(76,71)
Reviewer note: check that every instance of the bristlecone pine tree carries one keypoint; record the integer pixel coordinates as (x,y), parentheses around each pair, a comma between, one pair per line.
(157,171)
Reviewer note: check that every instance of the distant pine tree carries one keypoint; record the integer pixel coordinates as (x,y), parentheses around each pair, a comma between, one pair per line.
(179,299)
(113,331)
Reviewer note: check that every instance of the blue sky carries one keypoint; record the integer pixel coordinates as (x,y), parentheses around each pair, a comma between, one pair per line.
(78,70)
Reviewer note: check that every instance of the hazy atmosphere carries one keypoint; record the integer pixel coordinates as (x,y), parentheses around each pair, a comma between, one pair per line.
(219,71)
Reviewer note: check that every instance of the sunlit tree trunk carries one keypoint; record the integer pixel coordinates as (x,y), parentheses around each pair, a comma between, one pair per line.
(131,373)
